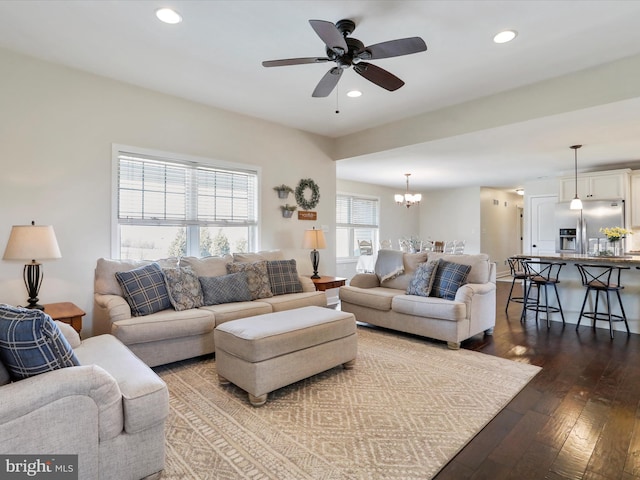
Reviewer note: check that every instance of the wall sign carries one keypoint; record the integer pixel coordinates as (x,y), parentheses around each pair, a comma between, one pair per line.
(305,215)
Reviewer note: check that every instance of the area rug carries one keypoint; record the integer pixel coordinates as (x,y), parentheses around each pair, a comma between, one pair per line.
(403,412)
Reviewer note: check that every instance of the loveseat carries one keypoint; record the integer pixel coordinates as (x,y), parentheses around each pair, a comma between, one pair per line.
(110,411)
(170,335)
(471,310)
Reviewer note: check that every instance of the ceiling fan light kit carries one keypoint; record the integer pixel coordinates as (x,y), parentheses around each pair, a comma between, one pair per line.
(348,52)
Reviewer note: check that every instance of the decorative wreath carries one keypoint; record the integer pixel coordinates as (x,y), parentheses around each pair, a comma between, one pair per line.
(315,194)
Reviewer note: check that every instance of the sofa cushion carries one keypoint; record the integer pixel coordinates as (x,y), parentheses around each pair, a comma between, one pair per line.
(411,262)
(423,278)
(283,277)
(207,266)
(226,312)
(232,287)
(378,298)
(165,325)
(144,289)
(290,301)
(183,287)
(429,307)
(31,343)
(449,277)
(257,277)
(479,263)
(106,282)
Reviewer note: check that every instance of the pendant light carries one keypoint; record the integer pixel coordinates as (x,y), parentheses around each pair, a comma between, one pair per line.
(576,203)
(408,199)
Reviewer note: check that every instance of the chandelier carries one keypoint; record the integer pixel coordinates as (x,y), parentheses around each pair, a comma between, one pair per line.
(407,199)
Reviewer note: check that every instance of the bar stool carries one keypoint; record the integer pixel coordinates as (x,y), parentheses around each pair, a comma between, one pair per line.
(541,275)
(602,279)
(518,273)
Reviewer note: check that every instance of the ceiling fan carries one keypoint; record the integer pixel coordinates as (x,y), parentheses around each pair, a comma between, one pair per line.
(348,52)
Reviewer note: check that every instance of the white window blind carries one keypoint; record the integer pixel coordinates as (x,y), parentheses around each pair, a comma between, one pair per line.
(356,211)
(153,191)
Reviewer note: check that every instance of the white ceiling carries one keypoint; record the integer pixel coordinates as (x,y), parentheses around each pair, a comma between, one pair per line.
(214,57)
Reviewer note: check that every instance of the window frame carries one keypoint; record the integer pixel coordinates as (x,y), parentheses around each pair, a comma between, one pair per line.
(352,226)
(193,241)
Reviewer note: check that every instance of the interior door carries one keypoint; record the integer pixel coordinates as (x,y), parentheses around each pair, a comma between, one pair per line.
(543,230)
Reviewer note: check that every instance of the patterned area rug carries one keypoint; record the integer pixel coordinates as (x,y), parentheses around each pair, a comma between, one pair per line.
(403,412)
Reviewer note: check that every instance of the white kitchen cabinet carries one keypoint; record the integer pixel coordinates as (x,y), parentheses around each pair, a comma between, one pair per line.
(612,184)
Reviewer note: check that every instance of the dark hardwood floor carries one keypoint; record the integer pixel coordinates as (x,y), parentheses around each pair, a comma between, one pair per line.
(579,418)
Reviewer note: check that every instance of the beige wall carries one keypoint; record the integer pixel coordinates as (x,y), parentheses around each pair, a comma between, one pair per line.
(452,214)
(57,127)
(501,226)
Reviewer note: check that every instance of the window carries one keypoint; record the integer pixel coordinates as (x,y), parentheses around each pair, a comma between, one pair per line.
(356,220)
(174,207)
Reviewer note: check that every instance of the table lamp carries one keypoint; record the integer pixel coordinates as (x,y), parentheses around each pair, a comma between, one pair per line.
(31,242)
(314,239)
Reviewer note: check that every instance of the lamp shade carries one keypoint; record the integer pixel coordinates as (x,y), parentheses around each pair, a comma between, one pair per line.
(32,242)
(314,239)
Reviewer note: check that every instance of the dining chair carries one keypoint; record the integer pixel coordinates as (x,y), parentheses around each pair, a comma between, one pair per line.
(365,246)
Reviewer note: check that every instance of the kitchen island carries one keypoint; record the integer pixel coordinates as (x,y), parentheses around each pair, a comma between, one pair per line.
(572,292)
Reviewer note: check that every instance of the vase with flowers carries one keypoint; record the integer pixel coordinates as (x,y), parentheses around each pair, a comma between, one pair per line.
(615,235)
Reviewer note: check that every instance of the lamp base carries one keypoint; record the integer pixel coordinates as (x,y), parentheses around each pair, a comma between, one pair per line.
(315,260)
(32,275)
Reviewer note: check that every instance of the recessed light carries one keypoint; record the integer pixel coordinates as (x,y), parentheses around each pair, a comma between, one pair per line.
(168,15)
(354,93)
(505,36)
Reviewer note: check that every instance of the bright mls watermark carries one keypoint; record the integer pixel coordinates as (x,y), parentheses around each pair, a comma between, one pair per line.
(51,467)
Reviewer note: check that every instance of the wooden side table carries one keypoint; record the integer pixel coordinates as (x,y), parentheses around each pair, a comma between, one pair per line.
(66,312)
(325,283)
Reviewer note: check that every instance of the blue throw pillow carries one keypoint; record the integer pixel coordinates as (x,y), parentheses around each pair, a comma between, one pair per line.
(144,289)
(31,343)
(233,287)
(283,277)
(448,278)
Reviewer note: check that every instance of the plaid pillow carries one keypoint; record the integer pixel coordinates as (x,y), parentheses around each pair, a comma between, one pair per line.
(448,278)
(31,343)
(422,280)
(225,289)
(144,289)
(283,277)
(183,287)
(257,277)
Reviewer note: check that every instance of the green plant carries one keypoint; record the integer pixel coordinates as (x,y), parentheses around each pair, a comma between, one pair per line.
(288,207)
(283,188)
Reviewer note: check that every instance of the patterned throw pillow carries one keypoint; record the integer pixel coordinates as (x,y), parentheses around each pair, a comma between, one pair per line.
(225,289)
(183,287)
(31,343)
(422,281)
(449,277)
(283,277)
(144,289)
(257,277)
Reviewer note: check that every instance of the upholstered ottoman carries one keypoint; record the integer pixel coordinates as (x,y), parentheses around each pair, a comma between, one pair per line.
(263,353)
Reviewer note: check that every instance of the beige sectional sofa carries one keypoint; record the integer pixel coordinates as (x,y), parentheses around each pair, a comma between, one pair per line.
(169,335)
(386,304)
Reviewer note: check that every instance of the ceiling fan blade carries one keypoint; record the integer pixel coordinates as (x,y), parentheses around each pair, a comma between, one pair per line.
(293,61)
(378,75)
(330,35)
(394,48)
(327,83)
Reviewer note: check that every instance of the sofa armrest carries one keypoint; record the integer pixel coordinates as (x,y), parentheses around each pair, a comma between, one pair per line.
(25,397)
(307,284)
(115,306)
(480,299)
(365,280)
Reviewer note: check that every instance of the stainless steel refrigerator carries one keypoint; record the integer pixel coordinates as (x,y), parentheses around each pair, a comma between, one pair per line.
(578,231)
